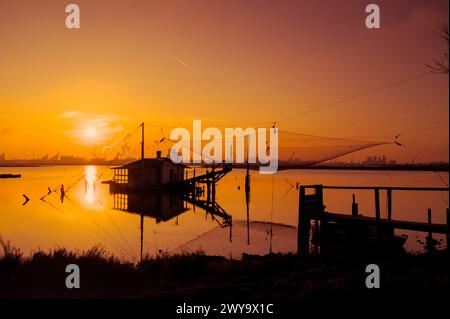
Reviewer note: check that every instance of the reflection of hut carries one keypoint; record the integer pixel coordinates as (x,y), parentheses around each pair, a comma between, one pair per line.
(149,172)
(160,207)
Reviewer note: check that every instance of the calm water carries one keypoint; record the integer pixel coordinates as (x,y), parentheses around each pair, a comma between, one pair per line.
(87,218)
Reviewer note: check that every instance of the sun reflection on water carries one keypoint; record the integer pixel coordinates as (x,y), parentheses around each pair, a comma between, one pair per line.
(90,179)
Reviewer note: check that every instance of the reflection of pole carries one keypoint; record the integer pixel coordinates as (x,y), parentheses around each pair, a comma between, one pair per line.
(208,190)
(142,140)
(248,223)
(142,234)
(247,200)
(142,156)
(447,213)
(271,216)
(213,186)
(142,190)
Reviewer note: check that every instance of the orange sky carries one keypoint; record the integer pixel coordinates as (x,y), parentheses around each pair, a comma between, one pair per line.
(225,62)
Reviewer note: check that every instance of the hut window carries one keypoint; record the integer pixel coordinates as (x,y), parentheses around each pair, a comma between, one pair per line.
(121,176)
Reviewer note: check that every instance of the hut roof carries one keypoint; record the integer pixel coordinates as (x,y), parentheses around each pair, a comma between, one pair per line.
(149,162)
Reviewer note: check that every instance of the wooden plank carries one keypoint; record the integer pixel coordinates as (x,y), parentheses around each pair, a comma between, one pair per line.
(432,189)
(406,225)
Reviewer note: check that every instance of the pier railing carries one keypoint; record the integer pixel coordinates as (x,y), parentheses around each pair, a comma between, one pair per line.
(389,191)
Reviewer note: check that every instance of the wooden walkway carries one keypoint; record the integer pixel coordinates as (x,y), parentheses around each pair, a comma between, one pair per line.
(398,224)
(311,207)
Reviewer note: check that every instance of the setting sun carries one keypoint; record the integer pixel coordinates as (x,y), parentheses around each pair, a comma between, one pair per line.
(90,133)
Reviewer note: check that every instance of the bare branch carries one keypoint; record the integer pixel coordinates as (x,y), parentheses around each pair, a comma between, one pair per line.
(441,66)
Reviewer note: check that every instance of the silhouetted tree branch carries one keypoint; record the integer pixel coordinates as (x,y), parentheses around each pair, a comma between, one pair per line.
(441,66)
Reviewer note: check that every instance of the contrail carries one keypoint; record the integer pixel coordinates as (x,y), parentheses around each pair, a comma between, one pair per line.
(182,63)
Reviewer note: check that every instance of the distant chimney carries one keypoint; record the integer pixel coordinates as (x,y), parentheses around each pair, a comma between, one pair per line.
(158,154)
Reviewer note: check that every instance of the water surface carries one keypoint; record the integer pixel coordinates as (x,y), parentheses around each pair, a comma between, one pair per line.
(86,217)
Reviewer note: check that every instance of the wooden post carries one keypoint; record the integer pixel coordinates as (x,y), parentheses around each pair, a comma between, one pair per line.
(429,221)
(448,229)
(303,225)
(377,204)
(301,193)
(319,199)
(142,236)
(430,244)
(142,156)
(389,203)
(354,206)
(377,212)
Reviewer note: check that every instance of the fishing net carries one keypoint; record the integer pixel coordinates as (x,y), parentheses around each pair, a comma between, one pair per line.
(294,149)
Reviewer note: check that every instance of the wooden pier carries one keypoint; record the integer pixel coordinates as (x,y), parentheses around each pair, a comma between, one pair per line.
(210,179)
(311,207)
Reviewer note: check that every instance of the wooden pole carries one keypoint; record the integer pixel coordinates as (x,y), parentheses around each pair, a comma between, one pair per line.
(429,221)
(301,193)
(319,198)
(430,244)
(142,190)
(448,228)
(377,204)
(142,235)
(142,156)
(354,206)
(389,203)
(377,212)
(303,226)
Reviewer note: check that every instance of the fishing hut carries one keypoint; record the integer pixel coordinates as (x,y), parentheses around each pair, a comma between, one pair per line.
(160,174)
(147,173)
(158,188)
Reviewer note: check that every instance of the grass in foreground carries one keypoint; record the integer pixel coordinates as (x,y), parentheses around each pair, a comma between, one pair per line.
(273,277)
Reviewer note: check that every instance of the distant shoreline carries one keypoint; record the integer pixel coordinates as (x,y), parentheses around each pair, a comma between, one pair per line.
(424,168)
(281,167)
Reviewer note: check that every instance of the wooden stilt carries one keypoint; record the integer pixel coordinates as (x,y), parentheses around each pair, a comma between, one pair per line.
(389,203)
(354,206)
(448,229)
